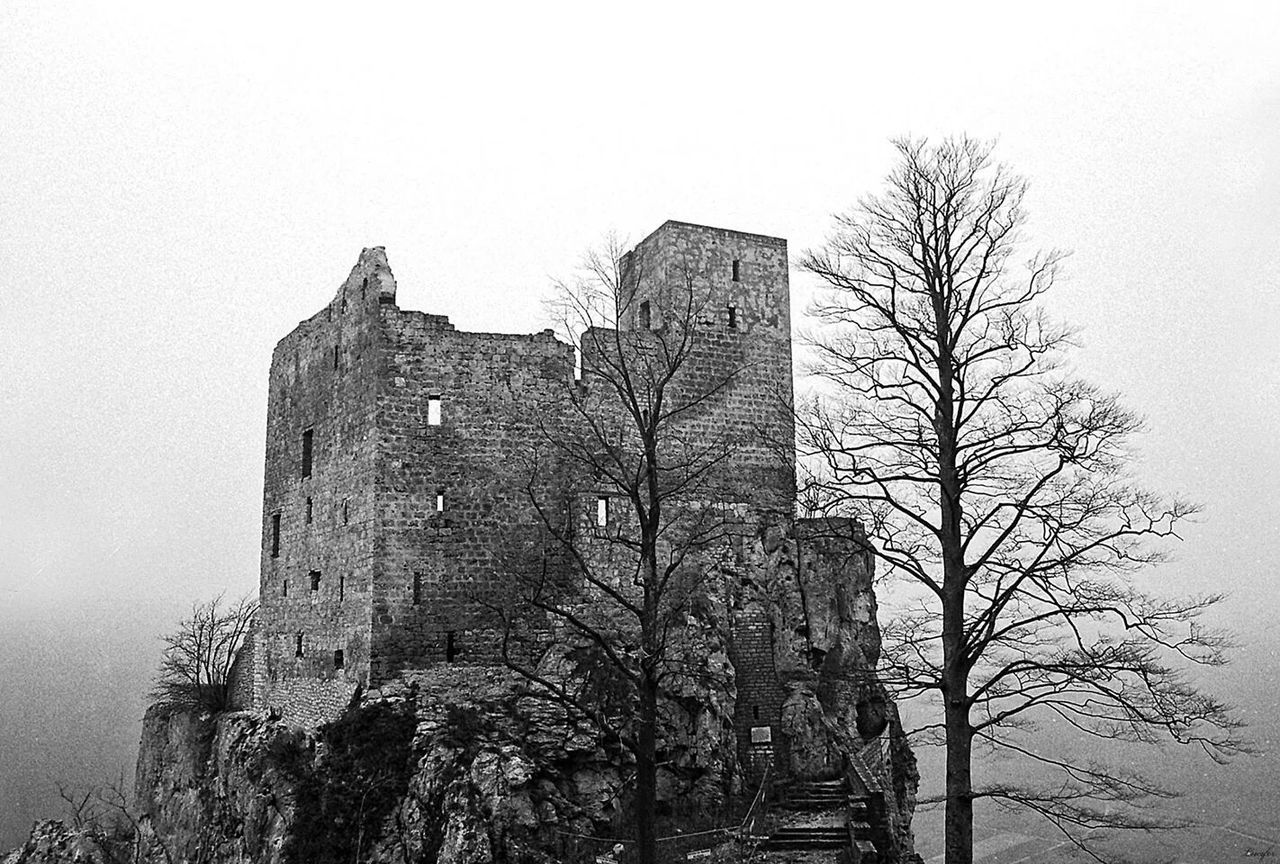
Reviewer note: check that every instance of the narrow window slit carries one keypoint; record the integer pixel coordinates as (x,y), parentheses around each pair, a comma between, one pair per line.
(275,535)
(433,410)
(307,442)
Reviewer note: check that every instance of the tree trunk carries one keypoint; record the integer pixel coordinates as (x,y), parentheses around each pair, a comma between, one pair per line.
(646,766)
(958,821)
(647,774)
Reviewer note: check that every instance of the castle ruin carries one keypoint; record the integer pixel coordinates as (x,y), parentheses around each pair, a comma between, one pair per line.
(388,493)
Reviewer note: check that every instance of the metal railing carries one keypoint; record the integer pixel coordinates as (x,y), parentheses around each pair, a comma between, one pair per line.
(690,846)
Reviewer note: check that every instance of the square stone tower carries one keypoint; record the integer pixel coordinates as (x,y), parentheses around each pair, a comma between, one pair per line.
(734,289)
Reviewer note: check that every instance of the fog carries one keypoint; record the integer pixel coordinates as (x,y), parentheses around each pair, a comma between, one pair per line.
(180,185)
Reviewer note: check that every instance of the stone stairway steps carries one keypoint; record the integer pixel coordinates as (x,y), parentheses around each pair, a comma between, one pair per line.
(825,800)
(800,838)
(817,795)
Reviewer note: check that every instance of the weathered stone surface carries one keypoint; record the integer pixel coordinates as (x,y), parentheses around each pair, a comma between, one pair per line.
(478,780)
(52,842)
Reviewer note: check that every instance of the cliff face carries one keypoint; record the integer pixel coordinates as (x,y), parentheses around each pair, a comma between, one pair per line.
(455,764)
(452,765)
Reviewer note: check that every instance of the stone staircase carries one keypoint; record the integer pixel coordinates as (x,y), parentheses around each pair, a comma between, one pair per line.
(825,816)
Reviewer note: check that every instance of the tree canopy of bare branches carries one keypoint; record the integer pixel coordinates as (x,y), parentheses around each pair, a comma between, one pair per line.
(625,557)
(998,484)
(195,668)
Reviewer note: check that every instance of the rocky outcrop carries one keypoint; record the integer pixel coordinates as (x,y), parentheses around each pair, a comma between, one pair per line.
(52,842)
(456,765)
(444,766)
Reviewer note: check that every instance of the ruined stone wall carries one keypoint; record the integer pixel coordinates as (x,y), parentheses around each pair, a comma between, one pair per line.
(453,494)
(422,440)
(240,677)
(320,520)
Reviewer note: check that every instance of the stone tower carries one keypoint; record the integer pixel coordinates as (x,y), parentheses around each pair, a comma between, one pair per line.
(737,288)
(389,432)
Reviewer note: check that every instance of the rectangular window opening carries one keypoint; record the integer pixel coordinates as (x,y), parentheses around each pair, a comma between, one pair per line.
(315,581)
(338,661)
(346,512)
(309,510)
(417,589)
(440,502)
(335,356)
(275,535)
(450,646)
(737,270)
(297,651)
(433,411)
(307,438)
(284,591)
(602,512)
(733,317)
(645,315)
(755,712)
(342,588)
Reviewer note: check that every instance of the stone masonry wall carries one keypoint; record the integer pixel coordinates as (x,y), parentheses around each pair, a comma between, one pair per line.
(450,495)
(240,677)
(742,314)
(758,710)
(312,647)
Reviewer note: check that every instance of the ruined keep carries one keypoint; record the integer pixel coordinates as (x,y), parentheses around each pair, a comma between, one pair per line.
(388,431)
(388,496)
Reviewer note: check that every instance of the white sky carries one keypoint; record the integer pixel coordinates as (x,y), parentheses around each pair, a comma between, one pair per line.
(179,185)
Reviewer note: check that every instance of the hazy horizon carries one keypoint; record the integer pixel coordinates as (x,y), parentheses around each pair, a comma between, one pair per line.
(183,185)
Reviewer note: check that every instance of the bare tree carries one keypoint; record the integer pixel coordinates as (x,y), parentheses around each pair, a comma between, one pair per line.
(623,494)
(195,669)
(998,484)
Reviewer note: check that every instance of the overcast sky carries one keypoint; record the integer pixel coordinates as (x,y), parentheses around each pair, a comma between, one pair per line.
(181,183)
